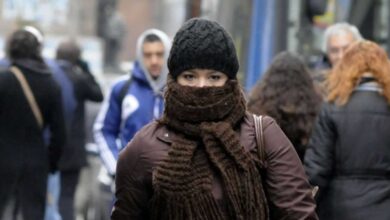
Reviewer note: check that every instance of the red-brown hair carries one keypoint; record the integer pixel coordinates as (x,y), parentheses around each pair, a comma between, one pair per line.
(362,57)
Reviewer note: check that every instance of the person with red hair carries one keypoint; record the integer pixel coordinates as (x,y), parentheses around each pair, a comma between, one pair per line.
(349,154)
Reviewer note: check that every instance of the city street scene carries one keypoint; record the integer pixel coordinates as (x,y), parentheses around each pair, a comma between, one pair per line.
(194,109)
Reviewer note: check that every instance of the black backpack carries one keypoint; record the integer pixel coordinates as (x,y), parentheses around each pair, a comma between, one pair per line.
(124,89)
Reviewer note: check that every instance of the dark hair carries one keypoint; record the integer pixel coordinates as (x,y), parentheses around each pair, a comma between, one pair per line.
(286,93)
(23,45)
(150,38)
(69,51)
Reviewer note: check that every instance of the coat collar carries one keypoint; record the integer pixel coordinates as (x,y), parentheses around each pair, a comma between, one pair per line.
(165,135)
(369,86)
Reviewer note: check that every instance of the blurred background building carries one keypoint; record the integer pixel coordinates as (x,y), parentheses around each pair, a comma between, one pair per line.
(260,28)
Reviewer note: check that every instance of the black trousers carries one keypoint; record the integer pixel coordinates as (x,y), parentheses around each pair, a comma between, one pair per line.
(69,181)
(25,187)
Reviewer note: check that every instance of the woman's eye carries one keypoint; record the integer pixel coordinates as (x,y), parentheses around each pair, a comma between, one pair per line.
(188,77)
(215,77)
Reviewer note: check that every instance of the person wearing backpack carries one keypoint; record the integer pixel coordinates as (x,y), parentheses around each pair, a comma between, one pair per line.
(135,100)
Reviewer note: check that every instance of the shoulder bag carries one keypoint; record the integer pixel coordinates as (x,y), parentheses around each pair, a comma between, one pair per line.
(29,95)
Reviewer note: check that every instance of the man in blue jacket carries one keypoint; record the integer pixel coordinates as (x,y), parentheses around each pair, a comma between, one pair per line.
(135,100)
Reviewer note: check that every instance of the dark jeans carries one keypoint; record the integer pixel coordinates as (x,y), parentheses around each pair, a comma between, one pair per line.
(69,181)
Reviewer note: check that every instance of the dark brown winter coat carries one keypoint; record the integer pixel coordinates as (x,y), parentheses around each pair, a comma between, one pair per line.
(288,190)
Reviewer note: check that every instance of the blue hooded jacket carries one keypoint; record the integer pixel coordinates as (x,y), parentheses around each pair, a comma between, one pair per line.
(119,120)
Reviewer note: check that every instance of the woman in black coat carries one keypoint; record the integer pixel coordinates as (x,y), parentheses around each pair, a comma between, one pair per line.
(25,158)
(349,151)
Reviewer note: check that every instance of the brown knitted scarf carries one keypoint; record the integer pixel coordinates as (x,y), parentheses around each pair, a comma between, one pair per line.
(207,120)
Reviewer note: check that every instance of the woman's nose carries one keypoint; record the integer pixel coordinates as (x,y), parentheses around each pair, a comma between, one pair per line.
(202,82)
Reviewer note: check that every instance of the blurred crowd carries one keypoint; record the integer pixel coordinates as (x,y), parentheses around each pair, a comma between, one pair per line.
(336,115)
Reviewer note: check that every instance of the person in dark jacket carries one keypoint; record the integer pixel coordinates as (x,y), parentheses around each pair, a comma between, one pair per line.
(287,94)
(349,152)
(200,160)
(74,154)
(25,160)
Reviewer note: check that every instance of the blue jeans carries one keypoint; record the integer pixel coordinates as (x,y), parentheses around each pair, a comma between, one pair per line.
(53,194)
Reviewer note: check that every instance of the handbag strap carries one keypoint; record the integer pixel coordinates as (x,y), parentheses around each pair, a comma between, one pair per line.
(259,136)
(29,95)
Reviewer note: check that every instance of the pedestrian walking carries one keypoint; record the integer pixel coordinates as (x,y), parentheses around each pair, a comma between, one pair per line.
(74,156)
(30,104)
(201,159)
(286,93)
(134,100)
(349,154)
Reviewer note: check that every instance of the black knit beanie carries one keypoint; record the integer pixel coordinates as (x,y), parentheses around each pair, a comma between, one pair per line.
(203,44)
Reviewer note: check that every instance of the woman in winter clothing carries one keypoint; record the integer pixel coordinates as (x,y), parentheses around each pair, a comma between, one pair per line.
(200,160)
(349,152)
(25,158)
(287,94)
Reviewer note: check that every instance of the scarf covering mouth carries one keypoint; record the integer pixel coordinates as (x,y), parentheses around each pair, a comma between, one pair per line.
(206,121)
